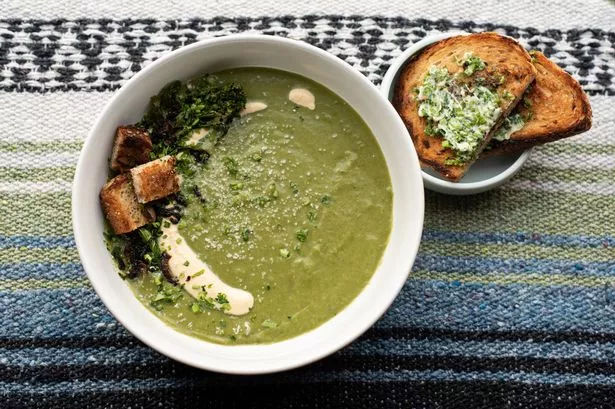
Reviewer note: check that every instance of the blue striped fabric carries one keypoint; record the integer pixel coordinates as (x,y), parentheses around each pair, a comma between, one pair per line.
(511,301)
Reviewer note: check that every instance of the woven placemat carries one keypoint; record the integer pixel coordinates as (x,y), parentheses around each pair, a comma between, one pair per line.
(510,302)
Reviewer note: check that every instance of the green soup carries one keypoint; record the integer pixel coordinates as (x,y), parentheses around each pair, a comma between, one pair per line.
(296,210)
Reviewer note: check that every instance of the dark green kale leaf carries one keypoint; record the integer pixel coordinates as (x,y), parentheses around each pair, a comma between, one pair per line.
(180,108)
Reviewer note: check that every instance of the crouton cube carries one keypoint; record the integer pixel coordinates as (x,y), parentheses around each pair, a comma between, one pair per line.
(132,147)
(121,207)
(155,180)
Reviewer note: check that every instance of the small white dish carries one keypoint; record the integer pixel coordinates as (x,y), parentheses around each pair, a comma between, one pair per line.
(485,174)
(128,105)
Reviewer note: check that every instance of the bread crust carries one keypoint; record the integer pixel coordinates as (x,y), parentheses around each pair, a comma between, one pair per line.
(558,105)
(120,206)
(131,147)
(502,55)
(155,180)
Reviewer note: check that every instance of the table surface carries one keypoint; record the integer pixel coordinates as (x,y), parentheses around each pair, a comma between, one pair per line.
(511,302)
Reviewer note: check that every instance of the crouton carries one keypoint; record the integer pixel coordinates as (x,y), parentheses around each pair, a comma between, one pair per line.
(120,205)
(132,147)
(155,180)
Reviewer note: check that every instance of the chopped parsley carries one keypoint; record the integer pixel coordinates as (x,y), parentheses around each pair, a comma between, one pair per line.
(294,187)
(533,55)
(471,64)
(311,215)
(205,303)
(508,95)
(221,298)
(166,294)
(302,234)
(231,165)
(527,102)
(269,324)
(236,185)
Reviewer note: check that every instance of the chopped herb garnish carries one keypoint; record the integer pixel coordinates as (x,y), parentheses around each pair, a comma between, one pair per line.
(236,185)
(269,324)
(326,199)
(245,234)
(527,102)
(167,294)
(302,234)
(203,103)
(471,64)
(273,191)
(533,55)
(186,263)
(221,298)
(198,273)
(430,131)
(311,215)
(145,235)
(455,162)
(508,95)
(231,165)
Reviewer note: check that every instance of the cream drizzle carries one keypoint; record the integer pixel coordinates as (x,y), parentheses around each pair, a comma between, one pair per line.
(302,97)
(240,301)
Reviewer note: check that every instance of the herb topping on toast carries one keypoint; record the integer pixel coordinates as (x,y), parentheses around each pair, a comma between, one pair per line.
(462,107)
(453,94)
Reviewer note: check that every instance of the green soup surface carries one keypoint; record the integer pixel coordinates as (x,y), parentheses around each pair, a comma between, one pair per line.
(296,209)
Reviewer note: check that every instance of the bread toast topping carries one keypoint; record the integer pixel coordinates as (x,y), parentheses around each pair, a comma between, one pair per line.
(459,108)
(552,108)
(510,125)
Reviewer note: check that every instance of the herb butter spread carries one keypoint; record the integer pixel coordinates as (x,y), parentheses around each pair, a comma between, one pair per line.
(511,124)
(459,108)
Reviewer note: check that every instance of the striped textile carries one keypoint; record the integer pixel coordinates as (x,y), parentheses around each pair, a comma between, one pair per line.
(511,302)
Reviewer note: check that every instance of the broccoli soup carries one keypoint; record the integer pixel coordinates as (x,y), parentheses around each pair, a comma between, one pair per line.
(282,213)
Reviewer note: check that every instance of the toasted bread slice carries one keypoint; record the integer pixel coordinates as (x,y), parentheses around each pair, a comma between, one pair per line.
(505,61)
(120,205)
(155,180)
(554,107)
(131,147)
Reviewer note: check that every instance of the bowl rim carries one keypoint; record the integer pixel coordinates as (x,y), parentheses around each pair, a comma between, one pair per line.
(432,182)
(415,187)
